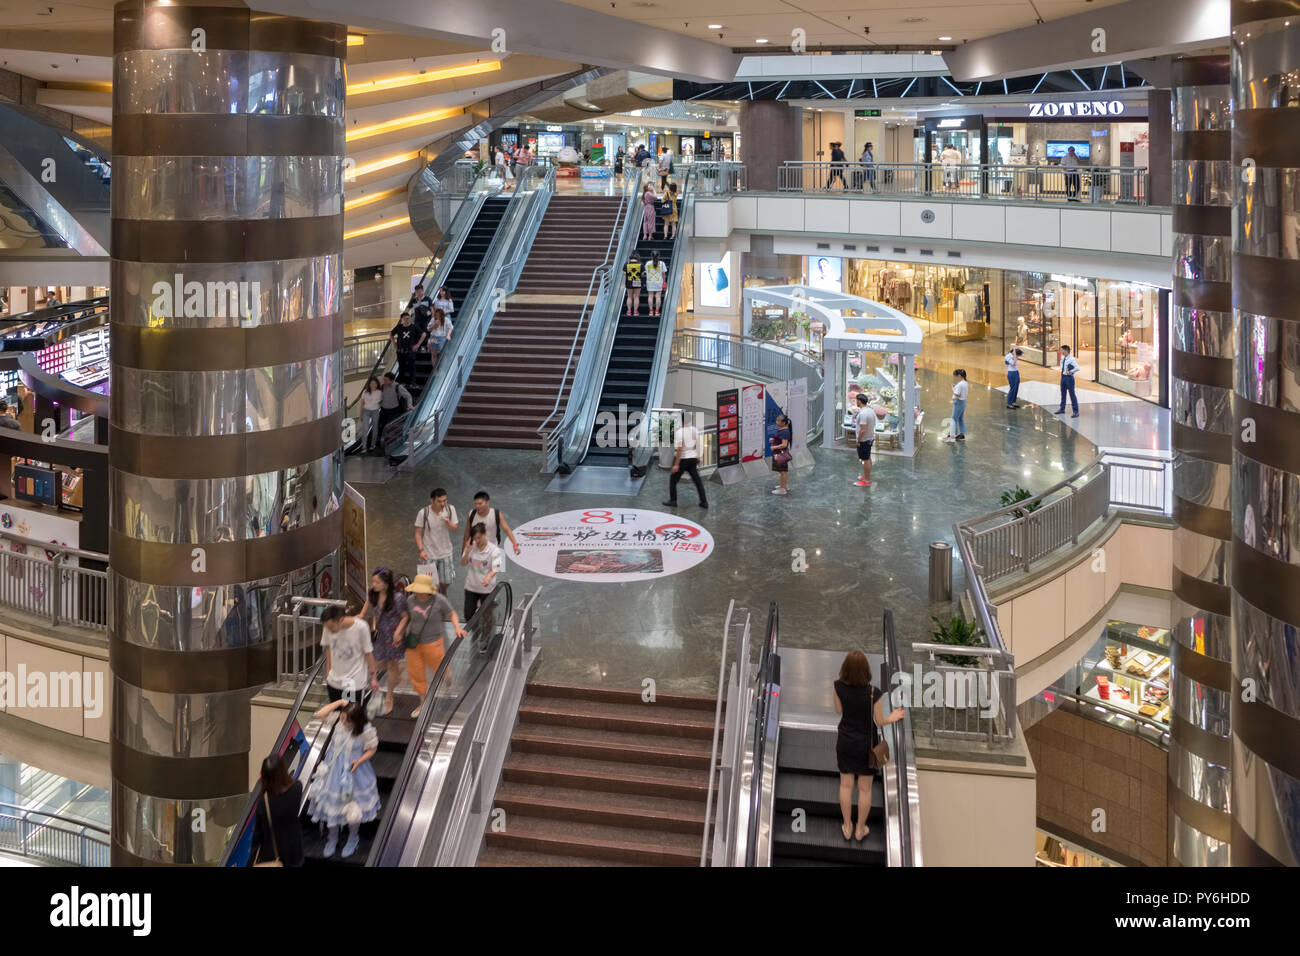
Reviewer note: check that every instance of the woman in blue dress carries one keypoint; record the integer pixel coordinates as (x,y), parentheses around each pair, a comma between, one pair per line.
(385,612)
(344,790)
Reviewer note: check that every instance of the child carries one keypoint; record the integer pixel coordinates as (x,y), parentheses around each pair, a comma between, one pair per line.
(347,777)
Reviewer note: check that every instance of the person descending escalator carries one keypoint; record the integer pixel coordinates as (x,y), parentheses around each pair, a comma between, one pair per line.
(407,339)
(277,828)
(345,791)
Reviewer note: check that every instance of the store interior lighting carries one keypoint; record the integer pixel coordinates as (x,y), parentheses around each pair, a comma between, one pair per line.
(402,122)
(377,227)
(375,165)
(405,80)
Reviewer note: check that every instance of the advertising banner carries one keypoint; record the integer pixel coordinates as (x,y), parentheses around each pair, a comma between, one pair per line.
(728,427)
(777,402)
(355,575)
(797,409)
(753,423)
(611,545)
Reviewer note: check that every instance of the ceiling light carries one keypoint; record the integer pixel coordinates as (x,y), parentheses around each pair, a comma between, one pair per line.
(356,39)
(945,39)
(715,26)
(373,198)
(414,79)
(401,122)
(375,165)
(760,40)
(377,227)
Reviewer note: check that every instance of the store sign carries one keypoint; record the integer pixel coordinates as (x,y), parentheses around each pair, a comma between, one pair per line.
(1081,108)
(555,129)
(611,545)
(951,123)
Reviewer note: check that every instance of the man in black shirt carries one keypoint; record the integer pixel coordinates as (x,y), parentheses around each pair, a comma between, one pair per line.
(422,308)
(406,340)
(837,166)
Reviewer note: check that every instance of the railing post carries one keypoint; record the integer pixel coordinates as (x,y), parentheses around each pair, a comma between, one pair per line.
(56,588)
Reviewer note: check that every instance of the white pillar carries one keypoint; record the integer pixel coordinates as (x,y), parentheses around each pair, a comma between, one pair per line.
(829,384)
(908,418)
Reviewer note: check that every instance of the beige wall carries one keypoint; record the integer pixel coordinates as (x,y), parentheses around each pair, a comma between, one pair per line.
(33,653)
(1003,833)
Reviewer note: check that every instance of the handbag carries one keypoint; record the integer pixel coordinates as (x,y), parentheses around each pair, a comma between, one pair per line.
(782,457)
(880,749)
(413,640)
(270,828)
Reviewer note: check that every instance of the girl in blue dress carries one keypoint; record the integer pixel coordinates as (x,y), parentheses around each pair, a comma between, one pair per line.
(344,790)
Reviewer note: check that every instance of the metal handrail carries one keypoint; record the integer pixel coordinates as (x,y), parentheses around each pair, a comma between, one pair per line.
(607,306)
(40,581)
(423,428)
(765,699)
(87,836)
(717,731)
(903,765)
(1002,181)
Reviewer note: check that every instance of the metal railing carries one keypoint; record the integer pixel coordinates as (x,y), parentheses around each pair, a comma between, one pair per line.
(565,440)
(50,838)
(1104,185)
(746,356)
(899,778)
(297,639)
(497,277)
(717,178)
(363,351)
(978,699)
(37,578)
(727,805)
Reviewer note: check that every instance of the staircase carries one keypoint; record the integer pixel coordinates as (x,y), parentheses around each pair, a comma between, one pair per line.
(597,777)
(627,379)
(806,780)
(394,735)
(521,365)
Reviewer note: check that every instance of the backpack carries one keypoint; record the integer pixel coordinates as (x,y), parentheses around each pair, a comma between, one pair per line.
(469,524)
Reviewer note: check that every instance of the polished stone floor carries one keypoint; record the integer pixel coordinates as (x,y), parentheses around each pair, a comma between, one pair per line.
(867,549)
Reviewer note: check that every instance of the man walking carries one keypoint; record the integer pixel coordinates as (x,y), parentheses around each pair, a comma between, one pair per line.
(407,339)
(866,422)
(1069,367)
(686,460)
(837,167)
(491,519)
(1012,362)
(869,167)
(433,527)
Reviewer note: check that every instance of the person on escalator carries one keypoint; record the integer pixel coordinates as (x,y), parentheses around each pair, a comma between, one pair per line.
(421,308)
(670,220)
(396,400)
(345,790)
(632,282)
(439,331)
(858,702)
(655,271)
(407,339)
(277,827)
(649,212)
(444,302)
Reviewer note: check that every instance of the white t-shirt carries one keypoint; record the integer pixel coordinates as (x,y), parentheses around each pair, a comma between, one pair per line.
(348,649)
(654,275)
(665,160)
(1070,161)
(960,389)
(489,521)
(688,439)
(445,305)
(370,399)
(866,419)
(481,564)
(435,534)
(1012,362)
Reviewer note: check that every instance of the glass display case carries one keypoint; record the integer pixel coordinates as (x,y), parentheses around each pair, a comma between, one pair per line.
(1122,680)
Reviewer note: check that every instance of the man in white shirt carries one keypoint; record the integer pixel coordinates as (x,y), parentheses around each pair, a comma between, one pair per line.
(866,424)
(349,655)
(1069,367)
(492,520)
(687,442)
(1012,362)
(433,527)
(1070,163)
(665,166)
(485,561)
(950,159)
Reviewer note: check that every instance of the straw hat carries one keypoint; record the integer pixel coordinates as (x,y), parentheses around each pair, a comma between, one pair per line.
(423,584)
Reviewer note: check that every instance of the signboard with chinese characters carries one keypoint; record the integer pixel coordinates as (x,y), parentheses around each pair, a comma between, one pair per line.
(728,427)
(355,577)
(611,545)
(753,423)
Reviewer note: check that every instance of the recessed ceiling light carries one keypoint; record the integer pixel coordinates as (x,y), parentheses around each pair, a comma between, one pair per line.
(945,39)
(760,40)
(715,26)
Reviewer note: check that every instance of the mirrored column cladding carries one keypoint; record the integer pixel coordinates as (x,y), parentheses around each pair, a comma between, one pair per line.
(1199,755)
(227,399)
(1266,433)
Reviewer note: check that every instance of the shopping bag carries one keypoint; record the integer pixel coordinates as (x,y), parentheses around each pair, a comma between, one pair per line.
(431,569)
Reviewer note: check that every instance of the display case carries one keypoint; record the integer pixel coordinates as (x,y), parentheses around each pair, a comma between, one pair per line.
(883,394)
(1123,680)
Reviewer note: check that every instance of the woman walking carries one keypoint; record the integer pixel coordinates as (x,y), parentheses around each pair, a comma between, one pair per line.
(857,702)
(277,828)
(345,790)
(781,454)
(386,612)
(960,389)
(648,215)
(370,399)
(439,331)
(430,612)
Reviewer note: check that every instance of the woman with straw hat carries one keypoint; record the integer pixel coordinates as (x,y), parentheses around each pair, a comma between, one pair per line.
(430,612)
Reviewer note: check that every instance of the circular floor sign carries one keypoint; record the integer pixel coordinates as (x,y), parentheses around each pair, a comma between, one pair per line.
(611,545)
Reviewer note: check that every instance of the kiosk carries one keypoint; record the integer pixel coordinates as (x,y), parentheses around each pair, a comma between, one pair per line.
(854,329)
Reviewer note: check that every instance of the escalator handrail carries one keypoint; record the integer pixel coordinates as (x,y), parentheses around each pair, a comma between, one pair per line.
(403,779)
(762,710)
(904,755)
(281,739)
(603,280)
(513,237)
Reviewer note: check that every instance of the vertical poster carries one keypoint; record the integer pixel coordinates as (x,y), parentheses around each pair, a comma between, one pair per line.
(797,409)
(753,422)
(777,404)
(728,427)
(354,547)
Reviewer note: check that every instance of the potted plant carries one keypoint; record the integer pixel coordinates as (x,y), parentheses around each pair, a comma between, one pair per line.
(964,688)
(957,631)
(667,440)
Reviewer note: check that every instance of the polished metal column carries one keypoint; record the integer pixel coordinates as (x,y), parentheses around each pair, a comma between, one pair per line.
(1199,754)
(1266,433)
(228,133)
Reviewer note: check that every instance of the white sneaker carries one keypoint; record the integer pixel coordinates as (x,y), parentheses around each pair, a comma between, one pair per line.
(948,438)
(779,491)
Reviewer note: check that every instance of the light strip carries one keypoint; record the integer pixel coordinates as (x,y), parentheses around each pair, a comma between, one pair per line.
(377,227)
(401,122)
(356,39)
(415,79)
(377,164)
(372,198)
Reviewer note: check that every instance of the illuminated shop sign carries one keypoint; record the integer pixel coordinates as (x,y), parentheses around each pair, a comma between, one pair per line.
(1081,108)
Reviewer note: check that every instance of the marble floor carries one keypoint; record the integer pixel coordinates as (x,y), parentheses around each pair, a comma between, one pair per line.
(867,549)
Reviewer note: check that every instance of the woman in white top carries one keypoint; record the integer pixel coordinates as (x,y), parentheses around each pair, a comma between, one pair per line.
(444,302)
(370,399)
(960,389)
(439,331)
(655,272)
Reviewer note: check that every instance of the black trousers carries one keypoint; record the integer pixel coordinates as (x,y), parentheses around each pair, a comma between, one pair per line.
(406,367)
(1073,182)
(472,602)
(689,466)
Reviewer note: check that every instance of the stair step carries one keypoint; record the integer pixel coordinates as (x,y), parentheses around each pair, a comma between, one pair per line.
(581,773)
(620,695)
(625,844)
(654,718)
(822,840)
(506,856)
(610,809)
(650,749)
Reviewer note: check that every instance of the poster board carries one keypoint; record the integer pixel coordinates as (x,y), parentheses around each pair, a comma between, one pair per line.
(728,427)
(355,578)
(753,423)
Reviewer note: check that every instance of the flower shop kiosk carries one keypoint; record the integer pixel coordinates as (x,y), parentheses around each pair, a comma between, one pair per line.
(866,347)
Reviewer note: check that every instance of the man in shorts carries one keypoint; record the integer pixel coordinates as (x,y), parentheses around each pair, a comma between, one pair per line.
(433,528)
(349,656)
(866,422)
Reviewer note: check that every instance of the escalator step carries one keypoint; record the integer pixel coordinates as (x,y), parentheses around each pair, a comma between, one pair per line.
(822,840)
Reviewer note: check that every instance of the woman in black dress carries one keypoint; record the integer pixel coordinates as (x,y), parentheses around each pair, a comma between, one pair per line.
(857,701)
(282,797)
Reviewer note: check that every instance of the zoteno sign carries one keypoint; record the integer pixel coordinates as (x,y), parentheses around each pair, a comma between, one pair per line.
(1080,108)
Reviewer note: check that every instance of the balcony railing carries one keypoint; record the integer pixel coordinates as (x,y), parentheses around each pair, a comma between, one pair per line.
(1095,185)
(63,585)
(48,838)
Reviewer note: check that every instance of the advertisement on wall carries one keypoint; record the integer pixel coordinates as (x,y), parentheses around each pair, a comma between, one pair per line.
(753,423)
(789,399)
(715,284)
(826,272)
(356,579)
(728,427)
(611,545)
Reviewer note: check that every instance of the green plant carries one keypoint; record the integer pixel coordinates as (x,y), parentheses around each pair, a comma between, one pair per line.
(1010,498)
(958,632)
